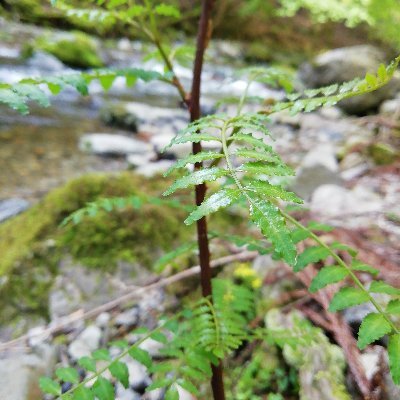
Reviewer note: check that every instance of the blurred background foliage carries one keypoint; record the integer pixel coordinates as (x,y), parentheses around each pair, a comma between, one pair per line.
(260,20)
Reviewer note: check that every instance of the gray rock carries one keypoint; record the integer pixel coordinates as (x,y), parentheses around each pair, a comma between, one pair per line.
(128,318)
(344,64)
(117,115)
(152,347)
(11,207)
(391,107)
(45,62)
(19,375)
(154,168)
(126,394)
(139,377)
(334,201)
(87,341)
(140,160)
(318,167)
(157,394)
(109,144)
(103,319)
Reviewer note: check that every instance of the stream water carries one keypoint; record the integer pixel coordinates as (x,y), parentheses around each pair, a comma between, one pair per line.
(40,151)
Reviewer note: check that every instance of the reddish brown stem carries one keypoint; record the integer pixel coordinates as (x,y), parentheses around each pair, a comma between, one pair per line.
(204,32)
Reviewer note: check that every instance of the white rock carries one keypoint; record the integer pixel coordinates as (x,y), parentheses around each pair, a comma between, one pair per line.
(128,318)
(152,347)
(371,363)
(185,395)
(139,160)
(85,343)
(154,168)
(103,319)
(109,144)
(333,200)
(19,374)
(318,167)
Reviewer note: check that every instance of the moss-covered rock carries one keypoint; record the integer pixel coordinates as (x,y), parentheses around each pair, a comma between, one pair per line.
(383,154)
(79,50)
(321,364)
(33,243)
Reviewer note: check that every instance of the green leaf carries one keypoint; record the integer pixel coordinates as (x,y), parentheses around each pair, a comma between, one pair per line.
(382,73)
(101,354)
(107,81)
(383,287)
(371,79)
(103,389)
(188,386)
(172,393)
(32,92)
(87,363)
(221,199)
(196,178)
(193,159)
(68,375)
(394,357)
(83,393)
(120,371)
(193,138)
(11,99)
(393,307)
(327,276)
(357,265)
(167,10)
(169,257)
(159,337)
(251,140)
(373,327)
(258,155)
(141,355)
(270,169)
(49,386)
(158,384)
(311,255)
(272,224)
(347,297)
(273,191)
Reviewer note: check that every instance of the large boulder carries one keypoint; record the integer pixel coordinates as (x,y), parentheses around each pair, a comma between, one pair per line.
(345,64)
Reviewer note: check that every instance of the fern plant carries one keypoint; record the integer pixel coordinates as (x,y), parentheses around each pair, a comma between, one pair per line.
(243,171)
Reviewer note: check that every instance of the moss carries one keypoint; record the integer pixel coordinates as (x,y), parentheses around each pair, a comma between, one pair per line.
(33,244)
(383,154)
(80,51)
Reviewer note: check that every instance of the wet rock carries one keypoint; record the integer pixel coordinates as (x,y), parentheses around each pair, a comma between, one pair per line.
(87,341)
(11,207)
(318,167)
(19,375)
(113,145)
(332,200)
(117,115)
(344,64)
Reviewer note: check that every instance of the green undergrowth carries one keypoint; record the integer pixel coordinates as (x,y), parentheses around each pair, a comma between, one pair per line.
(33,243)
(78,51)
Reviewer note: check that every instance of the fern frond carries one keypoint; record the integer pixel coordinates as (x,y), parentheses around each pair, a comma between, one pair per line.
(17,96)
(312,99)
